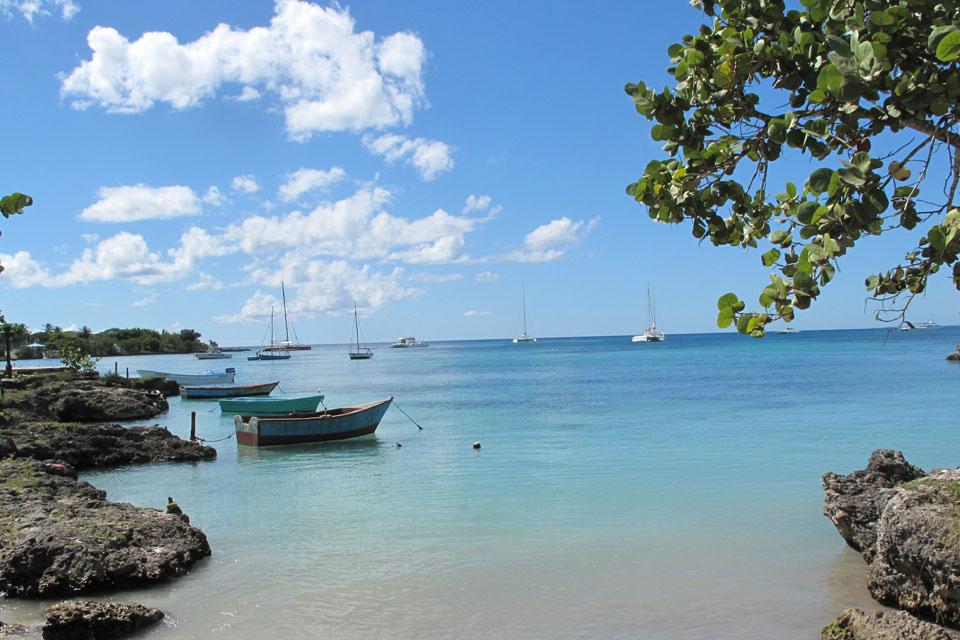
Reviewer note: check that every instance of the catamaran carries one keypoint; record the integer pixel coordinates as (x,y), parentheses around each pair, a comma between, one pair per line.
(524,337)
(651,333)
(265,353)
(286,344)
(355,349)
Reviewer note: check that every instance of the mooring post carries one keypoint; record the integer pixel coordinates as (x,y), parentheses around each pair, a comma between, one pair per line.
(116,368)
(193,426)
(128,373)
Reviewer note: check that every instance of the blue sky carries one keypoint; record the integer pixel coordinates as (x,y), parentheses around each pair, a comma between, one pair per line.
(422,158)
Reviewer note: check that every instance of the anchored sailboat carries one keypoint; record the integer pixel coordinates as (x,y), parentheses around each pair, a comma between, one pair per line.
(265,352)
(524,337)
(355,349)
(651,333)
(286,344)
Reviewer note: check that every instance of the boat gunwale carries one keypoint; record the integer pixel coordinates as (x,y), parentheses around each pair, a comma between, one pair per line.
(315,415)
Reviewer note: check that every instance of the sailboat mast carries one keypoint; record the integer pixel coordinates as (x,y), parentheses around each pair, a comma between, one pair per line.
(271,324)
(356,325)
(523,297)
(651,310)
(286,325)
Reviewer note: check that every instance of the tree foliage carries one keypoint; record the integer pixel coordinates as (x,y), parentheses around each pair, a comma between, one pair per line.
(12,205)
(833,81)
(112,341)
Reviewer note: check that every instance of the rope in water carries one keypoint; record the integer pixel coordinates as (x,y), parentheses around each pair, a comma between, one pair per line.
(219,440)
(408,417)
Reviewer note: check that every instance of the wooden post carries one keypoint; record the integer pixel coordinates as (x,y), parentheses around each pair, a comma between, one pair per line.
(193,426)
(128,373)
(116,368)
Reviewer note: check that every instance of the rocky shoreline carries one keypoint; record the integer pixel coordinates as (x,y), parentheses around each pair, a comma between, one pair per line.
(906,525)
(61,537)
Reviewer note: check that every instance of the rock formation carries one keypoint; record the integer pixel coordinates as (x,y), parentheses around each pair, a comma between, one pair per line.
(854,624)
(95,620)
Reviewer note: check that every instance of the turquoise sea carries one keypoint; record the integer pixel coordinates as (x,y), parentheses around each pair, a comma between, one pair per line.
(622,490)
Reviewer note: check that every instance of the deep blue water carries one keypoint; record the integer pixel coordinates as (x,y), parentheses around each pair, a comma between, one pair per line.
(622,490)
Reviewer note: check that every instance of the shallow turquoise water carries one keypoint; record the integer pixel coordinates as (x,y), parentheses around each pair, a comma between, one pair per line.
(622,491)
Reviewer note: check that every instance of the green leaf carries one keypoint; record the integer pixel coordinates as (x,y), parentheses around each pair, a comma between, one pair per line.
(949,47)
(725,317)
(770,257)
(819,180)
(727,301)
(14,203)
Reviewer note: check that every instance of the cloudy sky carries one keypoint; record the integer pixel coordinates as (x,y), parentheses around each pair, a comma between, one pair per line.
(422,159)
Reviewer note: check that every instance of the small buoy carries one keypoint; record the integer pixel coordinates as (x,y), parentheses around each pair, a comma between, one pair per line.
(476,445)
(399,445)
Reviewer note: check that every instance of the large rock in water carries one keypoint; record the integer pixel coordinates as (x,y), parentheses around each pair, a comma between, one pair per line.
(89,403)
(916,565)
(854,502)
(102,445)
(854,624)
(61,537)
(94,620)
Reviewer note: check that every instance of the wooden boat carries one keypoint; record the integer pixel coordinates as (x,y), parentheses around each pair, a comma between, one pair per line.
(356,350)
(260,355)
(332,424)
(209,377)
(248,407)
(213,354)
(238,391)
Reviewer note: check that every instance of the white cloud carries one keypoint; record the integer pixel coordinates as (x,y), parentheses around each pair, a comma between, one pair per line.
(303,180)
(550,241)
(486,277)
(429,157)
(420,276)
(20,270)
(245,183)
(321,287)
(214,196)
(249,94)
(472,313)
(205,282)
(31,9)
(477,203)
(140,202)
(146,300)
(326,75)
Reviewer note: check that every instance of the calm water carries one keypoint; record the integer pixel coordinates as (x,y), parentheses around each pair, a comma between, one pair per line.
(622,491)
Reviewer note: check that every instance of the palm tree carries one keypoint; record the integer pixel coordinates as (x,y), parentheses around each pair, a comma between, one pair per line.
(12,331)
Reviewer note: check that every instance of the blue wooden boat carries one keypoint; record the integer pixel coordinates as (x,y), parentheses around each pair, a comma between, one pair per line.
(332,424)
(248,407)
(273,355)
(241,390)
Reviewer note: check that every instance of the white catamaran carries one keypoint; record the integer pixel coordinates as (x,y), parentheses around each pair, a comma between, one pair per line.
(286,344)
(651,333)
(524,337)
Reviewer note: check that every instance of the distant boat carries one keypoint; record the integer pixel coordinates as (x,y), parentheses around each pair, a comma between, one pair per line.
(264,352)
(355,349)
(787,331)
(286,344)
(209,377)
(929,324)
(194,392)
(213,353)
(332,424)
(651,333)
(408,343)
(524,336)
(248,407)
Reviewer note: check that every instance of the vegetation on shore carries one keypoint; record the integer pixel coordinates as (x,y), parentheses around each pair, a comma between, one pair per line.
(111,342)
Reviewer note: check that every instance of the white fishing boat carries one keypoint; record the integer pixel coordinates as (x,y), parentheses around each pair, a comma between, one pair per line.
(355,349)
(787,331)
(210,377)
(408,342)
(213,353)
(929,324)
(524,336)
(651,333)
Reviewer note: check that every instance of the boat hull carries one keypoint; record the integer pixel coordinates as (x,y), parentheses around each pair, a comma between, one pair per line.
(289,347)
(646,338)
(360,356)
(196,392)
(247,407)
(188,379)
(213,356)
(335,424)
(270,356)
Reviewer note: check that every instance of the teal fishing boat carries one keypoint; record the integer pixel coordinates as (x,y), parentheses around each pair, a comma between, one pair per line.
(247,407)
(332,424)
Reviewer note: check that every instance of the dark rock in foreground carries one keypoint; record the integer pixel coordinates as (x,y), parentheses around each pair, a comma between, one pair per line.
(61,537)
(854,624)
(104,445)
(12,629)
(854,502)
(94,620)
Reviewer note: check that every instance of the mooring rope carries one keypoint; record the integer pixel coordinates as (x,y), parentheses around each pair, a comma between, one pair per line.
(419,428)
